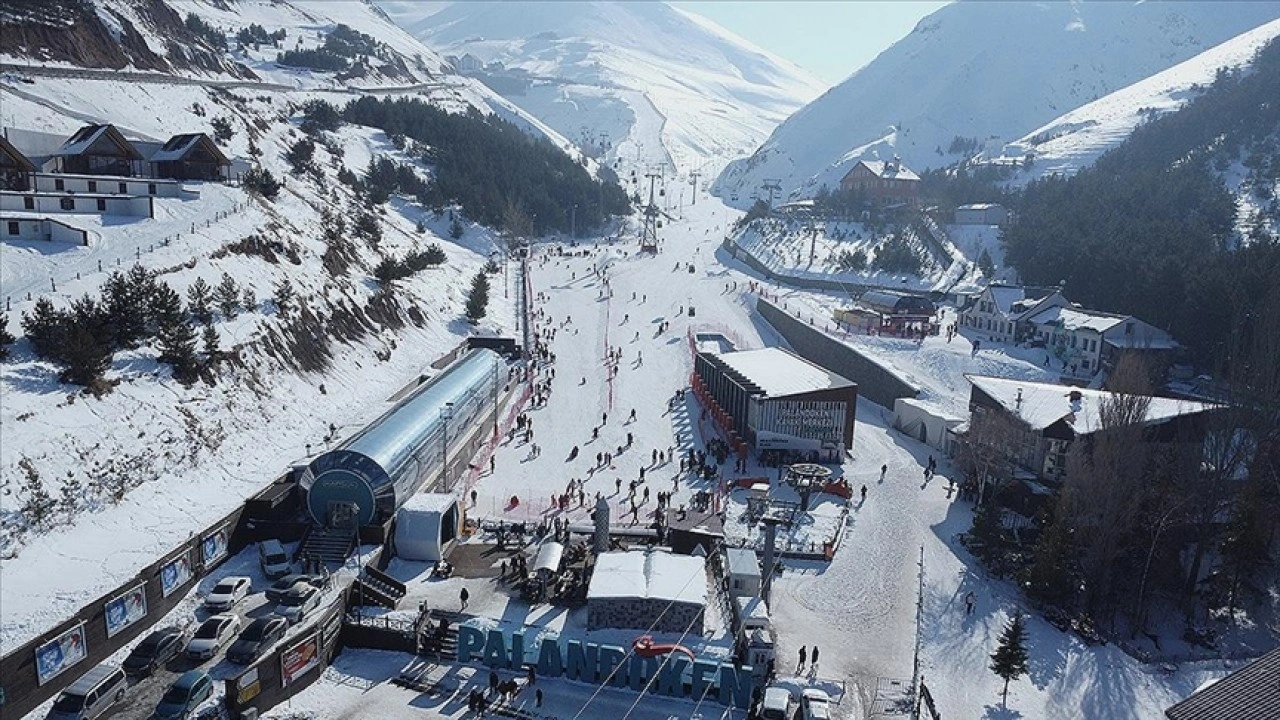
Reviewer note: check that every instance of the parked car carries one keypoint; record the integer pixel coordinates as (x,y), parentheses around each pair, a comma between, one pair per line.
(227,593)
(153,652)
(281,587)
(257,638)
(182,698)
(815,704)
(298,603)
(777,704)
(212,635)
(91,695)
(274,560)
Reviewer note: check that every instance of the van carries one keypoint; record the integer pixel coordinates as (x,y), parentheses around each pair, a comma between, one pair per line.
(275,562)
(91,695)
(776,704)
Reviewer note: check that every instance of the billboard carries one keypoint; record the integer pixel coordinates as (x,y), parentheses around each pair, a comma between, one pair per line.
(175,573)
(126,609)
(300,658)
(248,686)
(214,546)
(60,653)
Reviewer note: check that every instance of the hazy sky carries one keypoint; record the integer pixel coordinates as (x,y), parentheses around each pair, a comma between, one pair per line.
(830,39)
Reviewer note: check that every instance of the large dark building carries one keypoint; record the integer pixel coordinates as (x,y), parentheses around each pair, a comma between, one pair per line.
(780,402)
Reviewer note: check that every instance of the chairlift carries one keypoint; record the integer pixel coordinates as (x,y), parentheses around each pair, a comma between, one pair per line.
(659,224)
(662,192)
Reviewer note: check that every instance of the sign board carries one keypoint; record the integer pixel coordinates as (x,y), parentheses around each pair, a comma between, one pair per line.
(126,609)
(214,546)
(300,658)
(248,686)
(60,653)
(330,629)
(175,573)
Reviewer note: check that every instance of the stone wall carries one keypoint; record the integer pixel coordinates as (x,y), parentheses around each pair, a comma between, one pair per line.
(641,613)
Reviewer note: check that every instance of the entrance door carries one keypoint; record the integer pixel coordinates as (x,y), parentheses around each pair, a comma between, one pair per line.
(343,514)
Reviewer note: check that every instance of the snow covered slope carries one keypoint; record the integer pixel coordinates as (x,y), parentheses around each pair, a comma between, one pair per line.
(641,82)
(1077,138)
(984,73)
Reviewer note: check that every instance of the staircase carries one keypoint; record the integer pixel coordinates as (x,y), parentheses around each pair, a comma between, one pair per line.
(446,649)
(332,545)
(374,587)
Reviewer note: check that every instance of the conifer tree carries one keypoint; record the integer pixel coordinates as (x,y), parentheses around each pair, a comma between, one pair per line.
(45,327)
(1009,661)
(200,300)
(209,339)
(478,298)
(284,295)
(6,337)
(227,295)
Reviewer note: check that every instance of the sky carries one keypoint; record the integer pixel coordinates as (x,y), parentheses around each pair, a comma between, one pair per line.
(830,39)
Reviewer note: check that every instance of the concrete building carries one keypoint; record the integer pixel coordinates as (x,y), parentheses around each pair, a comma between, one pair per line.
(54,203)
(780,402)
(99,185)
(885,182)
(42,228)
(1086,341)
(648,589)
(742,570)
(927,423)
(997,310)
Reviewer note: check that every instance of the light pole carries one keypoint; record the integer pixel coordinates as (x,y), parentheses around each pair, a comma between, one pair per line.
(573,222)
(446,414)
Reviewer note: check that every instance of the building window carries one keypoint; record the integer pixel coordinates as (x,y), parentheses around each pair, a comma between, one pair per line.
(1084,364)
(1128,328)
(93,186)
(59,184)
(68,203)
(151,188)
(124,188)
(13,227)
(102,204)
(29,203)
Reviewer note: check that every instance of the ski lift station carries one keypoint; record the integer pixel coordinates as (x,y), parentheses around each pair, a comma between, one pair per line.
(782,404)
(371,475)
(648,590)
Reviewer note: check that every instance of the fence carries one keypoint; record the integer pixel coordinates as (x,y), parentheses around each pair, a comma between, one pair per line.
(290,668)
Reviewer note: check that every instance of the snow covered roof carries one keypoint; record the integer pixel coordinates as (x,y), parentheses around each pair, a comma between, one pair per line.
(178,146)
(549,555)
(16,158)
(1250,693)
(980,206)
(889,170)
(654,574)
(430,502)
(779,373)
(85,137)
(752,608)
(1004,296)
(1076,319)
(1043,404)
(742,561)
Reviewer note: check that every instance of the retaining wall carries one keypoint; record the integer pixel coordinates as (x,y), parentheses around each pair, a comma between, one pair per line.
(875,382)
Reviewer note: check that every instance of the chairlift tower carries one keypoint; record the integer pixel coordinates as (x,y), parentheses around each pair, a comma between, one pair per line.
(649,233)
(693,180)
(771,187)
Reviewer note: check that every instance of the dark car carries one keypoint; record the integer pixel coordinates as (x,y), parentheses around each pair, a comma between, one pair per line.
(193,688)
(257,638)
(281,587)
(153,652)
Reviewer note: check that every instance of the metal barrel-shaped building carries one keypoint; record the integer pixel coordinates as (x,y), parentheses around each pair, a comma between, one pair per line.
(367,478)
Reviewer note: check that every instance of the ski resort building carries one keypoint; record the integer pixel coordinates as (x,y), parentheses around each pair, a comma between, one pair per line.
(1088,341)
(981,214)
(645,590)
(780,402)
(1250,693)
(885,182)
(997,310)
(193,156)
(15,168)
(98,150)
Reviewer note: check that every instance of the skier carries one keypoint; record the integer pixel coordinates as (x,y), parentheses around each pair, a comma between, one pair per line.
(814,664)
(803,657)
(864,493)
(464,596)
(573,454)
(633,419)
(883,469)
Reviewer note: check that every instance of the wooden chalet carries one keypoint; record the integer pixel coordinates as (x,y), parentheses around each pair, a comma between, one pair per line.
(192,156)
(98,150)
(16,170)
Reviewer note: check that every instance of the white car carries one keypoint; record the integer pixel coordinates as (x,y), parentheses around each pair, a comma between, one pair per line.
(816,704)
(296,604)
(212,635)
(227,593)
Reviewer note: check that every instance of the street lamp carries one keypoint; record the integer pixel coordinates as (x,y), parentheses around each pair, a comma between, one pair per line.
(446,414)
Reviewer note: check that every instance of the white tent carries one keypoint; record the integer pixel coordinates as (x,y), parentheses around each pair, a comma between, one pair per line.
(425,525)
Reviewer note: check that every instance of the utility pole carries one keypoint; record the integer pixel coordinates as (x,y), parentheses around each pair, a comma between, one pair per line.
(813,240)
(915,662)
(772,186)
(693,180)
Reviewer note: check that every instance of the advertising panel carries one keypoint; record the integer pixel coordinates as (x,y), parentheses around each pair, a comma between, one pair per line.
(127,609)
(175,573)
(60,653)
(300,658)
(214,546)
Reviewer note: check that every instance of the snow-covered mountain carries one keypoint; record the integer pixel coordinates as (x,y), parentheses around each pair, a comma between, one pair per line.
(642,82)
(979,74)
(1075,139)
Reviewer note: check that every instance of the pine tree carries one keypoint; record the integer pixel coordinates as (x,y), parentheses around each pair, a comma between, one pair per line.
(456,230)
(986,264)
(1009,661)
(71,494)
(178,348)
(6,337)
(126,307)
(209,338)
(249,300)
(227,295)
(45,327)
(478,298)
(284,295)
(84,356)
(38,504)
(200,300)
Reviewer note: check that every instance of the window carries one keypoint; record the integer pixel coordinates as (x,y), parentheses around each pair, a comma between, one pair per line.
(1128,328)
(102,204)
(124,188)
(13,227)
(29,203)
(151,188)
(59,184)
(68,203)
(1084,364)
(93,186)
